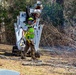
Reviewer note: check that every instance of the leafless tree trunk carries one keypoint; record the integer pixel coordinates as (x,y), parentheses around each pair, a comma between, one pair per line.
(61,26)
(60,1)
(2,34)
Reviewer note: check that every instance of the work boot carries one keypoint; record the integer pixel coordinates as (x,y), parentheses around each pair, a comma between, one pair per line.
(22,55)
(34,59)
(37,54)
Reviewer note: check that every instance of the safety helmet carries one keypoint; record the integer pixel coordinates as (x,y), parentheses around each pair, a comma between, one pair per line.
(38,2)
(30,19)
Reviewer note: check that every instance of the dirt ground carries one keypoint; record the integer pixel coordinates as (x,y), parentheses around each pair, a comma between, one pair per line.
(52,64)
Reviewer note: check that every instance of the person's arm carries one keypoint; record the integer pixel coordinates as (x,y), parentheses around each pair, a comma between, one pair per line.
(23,33)
(41,6)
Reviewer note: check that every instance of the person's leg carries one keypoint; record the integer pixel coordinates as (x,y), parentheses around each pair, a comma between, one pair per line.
(32,50)
(26,48)
(23,53)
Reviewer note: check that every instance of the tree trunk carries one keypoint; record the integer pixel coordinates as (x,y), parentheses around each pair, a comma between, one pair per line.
(2,34)
(60,1)
(60,12)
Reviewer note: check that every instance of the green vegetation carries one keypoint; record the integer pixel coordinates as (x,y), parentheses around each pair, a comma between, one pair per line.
(51,13)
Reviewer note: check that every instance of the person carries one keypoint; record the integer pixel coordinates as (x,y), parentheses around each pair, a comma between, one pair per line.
(29,35)
(38,9)
(38,5)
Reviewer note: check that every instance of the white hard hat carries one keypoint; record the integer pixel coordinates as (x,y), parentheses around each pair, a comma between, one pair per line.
(38,2)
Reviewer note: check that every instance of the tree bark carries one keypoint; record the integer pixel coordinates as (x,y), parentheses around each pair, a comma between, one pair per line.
(2,34)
